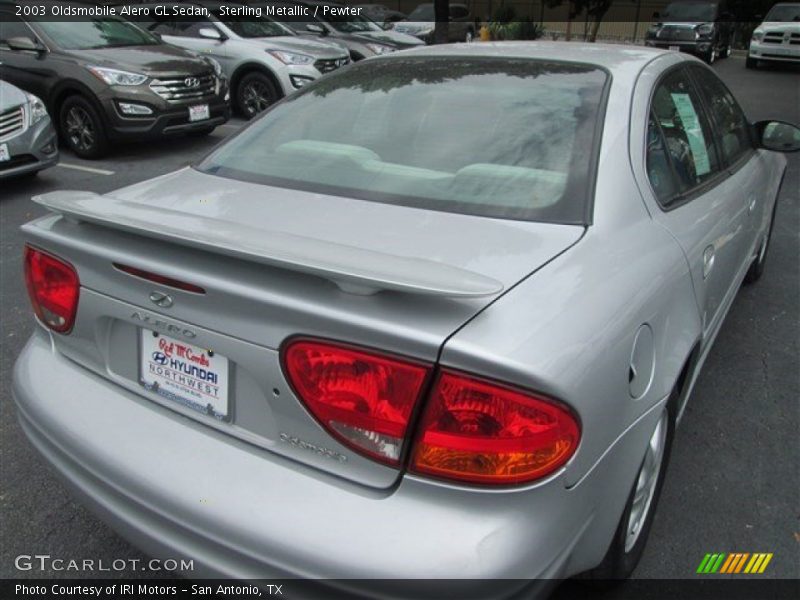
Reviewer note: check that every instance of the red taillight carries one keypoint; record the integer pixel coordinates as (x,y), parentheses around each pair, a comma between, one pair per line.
(53,287)
(478,431)
(362,398)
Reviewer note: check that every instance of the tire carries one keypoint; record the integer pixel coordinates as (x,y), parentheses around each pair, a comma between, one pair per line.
(751,63)
(710,57)
(634,526)
(726,51)
(254,94)
(81,128)
(756,269)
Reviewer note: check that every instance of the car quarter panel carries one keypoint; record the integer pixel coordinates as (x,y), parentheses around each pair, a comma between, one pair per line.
(569,330)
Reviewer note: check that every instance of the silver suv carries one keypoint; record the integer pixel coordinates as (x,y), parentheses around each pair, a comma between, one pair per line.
(27,137)
(264,59)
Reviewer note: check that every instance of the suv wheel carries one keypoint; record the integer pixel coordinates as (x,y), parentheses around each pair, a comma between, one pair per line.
(710,56)
(82,128)
(255,93)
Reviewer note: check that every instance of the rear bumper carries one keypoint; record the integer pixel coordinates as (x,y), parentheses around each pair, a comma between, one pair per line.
(176,488)
(32,150)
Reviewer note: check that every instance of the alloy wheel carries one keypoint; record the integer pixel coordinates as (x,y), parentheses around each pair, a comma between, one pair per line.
(79,129)
(256,97)
(647,481)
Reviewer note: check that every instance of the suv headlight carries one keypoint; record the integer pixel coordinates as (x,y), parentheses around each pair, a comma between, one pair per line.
(117,77)
(290,58)
(758,35)
(379,48)
(214,65)
(36,109)
(705,30)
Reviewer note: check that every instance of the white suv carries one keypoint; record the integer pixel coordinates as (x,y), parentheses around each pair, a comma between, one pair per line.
(778,37)
(263,59)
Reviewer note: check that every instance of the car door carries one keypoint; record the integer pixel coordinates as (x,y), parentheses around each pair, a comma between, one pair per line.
(699,203)
(26,69)
(748,173)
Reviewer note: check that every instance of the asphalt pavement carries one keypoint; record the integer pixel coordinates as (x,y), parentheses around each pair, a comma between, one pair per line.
(733,484)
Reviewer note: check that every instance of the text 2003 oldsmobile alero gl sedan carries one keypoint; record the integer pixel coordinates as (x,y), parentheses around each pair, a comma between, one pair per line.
(436,315)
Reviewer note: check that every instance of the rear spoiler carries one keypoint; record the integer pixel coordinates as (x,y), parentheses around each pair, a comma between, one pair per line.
(353,270)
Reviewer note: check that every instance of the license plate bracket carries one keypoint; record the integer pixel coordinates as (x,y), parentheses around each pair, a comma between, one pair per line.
(192,376)
(199,112)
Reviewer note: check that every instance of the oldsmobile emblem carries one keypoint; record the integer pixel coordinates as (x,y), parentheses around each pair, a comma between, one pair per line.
(161,299)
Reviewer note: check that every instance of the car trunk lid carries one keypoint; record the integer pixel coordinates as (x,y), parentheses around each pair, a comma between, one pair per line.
(272,264)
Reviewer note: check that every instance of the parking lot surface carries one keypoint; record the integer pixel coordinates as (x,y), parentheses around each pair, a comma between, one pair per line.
(733,484)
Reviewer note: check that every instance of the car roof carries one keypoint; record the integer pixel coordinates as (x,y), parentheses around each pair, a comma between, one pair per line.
(613,57)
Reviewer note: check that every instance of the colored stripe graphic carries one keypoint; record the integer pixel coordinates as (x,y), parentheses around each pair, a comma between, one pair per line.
(734,562)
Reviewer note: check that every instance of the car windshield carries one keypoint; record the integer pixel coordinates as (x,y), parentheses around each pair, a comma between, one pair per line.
(506,138)
(253,27)
(700,12)
(424,12)
(784,12)
(352,23)
(107,32)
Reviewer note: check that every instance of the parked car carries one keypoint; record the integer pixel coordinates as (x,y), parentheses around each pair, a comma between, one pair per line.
(777,38)
(362,37)
(421,23)
(381,14)
(702,28)
(27,138)
(105,80)
(263,60)
(297,357)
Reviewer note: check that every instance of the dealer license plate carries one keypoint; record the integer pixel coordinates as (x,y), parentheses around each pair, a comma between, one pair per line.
(675,48)
(199,112)
(184,373)
(4,153)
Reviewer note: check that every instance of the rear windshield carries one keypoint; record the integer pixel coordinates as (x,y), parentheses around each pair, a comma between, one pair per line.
(507,138)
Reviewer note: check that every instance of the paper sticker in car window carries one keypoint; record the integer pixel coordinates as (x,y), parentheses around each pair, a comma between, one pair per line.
(694,133)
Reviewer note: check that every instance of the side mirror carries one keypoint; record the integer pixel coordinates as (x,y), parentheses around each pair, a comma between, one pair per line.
(318,29)
(778,136)
(210,33)
(24,43)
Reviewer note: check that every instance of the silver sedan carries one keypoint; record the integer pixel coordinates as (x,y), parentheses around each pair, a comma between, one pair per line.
(436,315)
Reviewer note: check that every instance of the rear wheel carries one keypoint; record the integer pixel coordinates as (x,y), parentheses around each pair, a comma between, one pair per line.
(82,128)
(637,518)
(711,56)
(254,94)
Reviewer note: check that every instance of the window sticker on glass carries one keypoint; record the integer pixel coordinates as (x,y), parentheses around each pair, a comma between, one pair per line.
(694,133)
